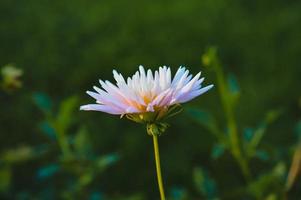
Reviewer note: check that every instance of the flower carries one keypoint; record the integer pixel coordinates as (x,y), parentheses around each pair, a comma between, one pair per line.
(146,96)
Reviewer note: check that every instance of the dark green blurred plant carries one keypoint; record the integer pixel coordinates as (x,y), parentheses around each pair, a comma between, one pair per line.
(295,168)
(243,145)
(206,186)
(77,156)
(67,154)
(15,156)
(63,47)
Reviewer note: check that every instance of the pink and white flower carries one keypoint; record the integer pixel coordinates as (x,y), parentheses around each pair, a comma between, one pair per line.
(146,92)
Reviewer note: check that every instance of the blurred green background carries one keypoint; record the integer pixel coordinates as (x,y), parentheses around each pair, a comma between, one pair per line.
(51,150)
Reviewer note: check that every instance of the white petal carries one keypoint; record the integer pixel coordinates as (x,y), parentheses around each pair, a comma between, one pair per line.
(190,84)
(146,90)
(94,95)
(189,96)
(102,108)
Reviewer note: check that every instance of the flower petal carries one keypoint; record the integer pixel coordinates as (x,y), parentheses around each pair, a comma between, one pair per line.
(102,108)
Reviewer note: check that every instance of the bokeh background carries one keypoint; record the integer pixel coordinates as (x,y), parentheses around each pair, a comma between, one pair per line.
(51,150)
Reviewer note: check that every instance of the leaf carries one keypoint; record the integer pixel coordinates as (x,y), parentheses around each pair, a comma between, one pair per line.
(248,134)
(43,101)
(271,197)
(202,117)
(48,130)
(233,84)
(178,193)
(65,114)
(48,171)
(19,154)
(204,184)
(259,132)
(90,173)
(96,196)
(269,180)
(217,151)
(205,119)
(272,116)
(298,130)
(107,160)
(262,155)
(5,178)
(131,197)
(233,88)
(85,179)
(81,143)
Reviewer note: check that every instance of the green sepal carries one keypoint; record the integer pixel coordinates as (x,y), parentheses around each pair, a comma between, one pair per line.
(155,117)
(156,128)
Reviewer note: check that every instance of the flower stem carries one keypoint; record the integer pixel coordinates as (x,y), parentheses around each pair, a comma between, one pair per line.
(158,167)
(228,106)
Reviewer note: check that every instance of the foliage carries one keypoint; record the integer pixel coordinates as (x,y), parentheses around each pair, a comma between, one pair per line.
(69,156)
(241,141)
(245,146)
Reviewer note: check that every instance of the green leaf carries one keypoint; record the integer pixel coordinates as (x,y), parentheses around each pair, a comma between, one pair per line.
(48,130)
(271,197)
(97,196)
(106,161)
(19,154)
(267,181)
(202,117)
(217,151)
(233,84)
(81,143)
(204,184)
(262,155)
(5,178)
(85,179)
(99,165)
(248,134)
(43,101)
(205,119)
(178,194)
(272,116)
(233,88)
(298,130)
(47,171)
(258,133)
(65,114)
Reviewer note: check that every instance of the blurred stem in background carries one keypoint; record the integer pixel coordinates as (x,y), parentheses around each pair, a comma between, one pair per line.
(228,100)
(295,168)
(243,145)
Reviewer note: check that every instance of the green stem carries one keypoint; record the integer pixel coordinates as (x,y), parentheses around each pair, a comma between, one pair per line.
(236,150)
(158,167)
(232,126)
(61,139)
